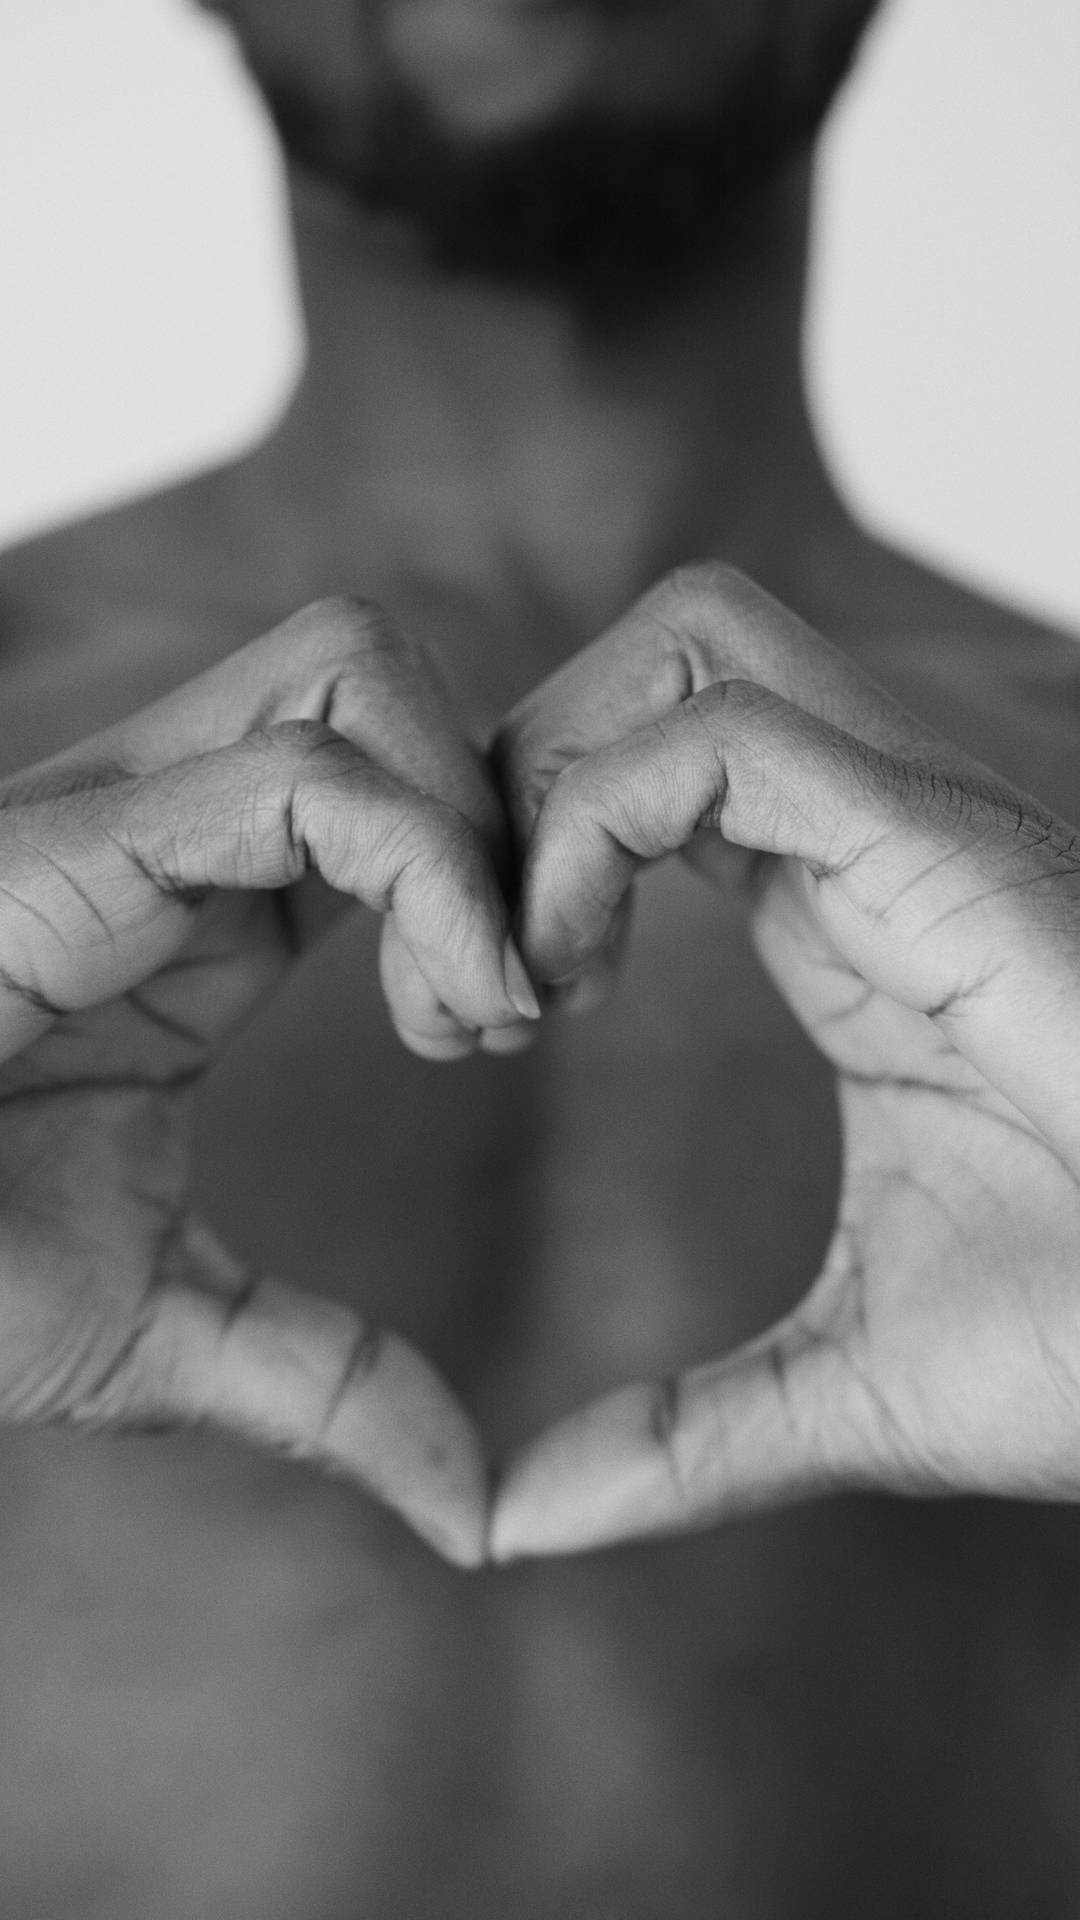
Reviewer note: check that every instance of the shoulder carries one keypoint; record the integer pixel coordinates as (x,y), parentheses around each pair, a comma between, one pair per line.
(172,549)
(102,616)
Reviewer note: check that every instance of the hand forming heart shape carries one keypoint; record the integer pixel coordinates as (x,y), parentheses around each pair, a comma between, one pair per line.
(922,919)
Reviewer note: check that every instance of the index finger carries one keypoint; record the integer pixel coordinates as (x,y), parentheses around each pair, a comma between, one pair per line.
(701,625)
(946,889)
(342,662)
(345,664)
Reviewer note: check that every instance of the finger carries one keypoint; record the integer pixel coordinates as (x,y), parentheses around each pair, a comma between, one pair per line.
(312,801)
(426,1025)
(99,887)
(421,1020)
(341,662)
(734,760)
(345,664)
(304,1376)
(701,625)
(758,1429)
(952,893)
(594,982)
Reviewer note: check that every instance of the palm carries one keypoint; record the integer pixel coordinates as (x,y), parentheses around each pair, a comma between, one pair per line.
(95,1127)
(947,1296)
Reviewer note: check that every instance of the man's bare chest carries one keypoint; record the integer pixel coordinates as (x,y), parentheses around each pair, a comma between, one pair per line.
(652,1183)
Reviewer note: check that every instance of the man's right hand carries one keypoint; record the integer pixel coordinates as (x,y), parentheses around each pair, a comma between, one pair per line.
(150,896)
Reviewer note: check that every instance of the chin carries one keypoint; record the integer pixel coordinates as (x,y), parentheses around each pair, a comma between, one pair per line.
(484,69)
(487,68)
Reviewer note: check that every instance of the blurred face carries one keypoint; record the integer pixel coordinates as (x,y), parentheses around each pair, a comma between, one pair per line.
(593,146)
(489,66)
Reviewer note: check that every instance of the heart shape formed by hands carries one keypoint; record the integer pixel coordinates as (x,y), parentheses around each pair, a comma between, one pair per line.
(922,919)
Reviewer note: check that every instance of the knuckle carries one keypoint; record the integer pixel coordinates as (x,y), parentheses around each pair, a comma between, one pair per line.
(349,617)
(696,612)
(343,626)
(701,584)
(297,761)
(590,806)
(727,702)
(665,1414)
(447,837)
(295,742)
(427,841)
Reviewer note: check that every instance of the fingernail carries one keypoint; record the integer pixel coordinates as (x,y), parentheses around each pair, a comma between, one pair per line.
(518,985)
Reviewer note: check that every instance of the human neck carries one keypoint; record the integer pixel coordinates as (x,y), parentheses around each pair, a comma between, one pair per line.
(600,452)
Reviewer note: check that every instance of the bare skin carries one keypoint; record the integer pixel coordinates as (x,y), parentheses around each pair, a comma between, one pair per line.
(922,920)
(863,1706)
(156,886)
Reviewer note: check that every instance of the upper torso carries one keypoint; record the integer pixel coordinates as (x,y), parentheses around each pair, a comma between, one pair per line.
(232,1690)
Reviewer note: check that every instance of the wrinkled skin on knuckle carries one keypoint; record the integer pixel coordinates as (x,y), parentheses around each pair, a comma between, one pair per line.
(298,663)
(619,681)
(609,813)
(442,881)
(308,771)
(698,610)
(341,626)
(459,865)
(631,813)
(303,754)
(642,792)
(381,688)
(296,741)
(91,1377)
(333,647)
(728,626)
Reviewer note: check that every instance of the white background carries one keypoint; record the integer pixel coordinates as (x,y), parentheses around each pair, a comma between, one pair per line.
(148,319)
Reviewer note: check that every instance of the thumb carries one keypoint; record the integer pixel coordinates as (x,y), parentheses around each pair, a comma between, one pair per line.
(732,1437)
(302,1375)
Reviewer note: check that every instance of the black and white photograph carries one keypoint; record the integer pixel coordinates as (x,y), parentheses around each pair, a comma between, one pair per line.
(539,960)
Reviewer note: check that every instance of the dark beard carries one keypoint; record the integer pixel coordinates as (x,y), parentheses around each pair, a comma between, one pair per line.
(616,213)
